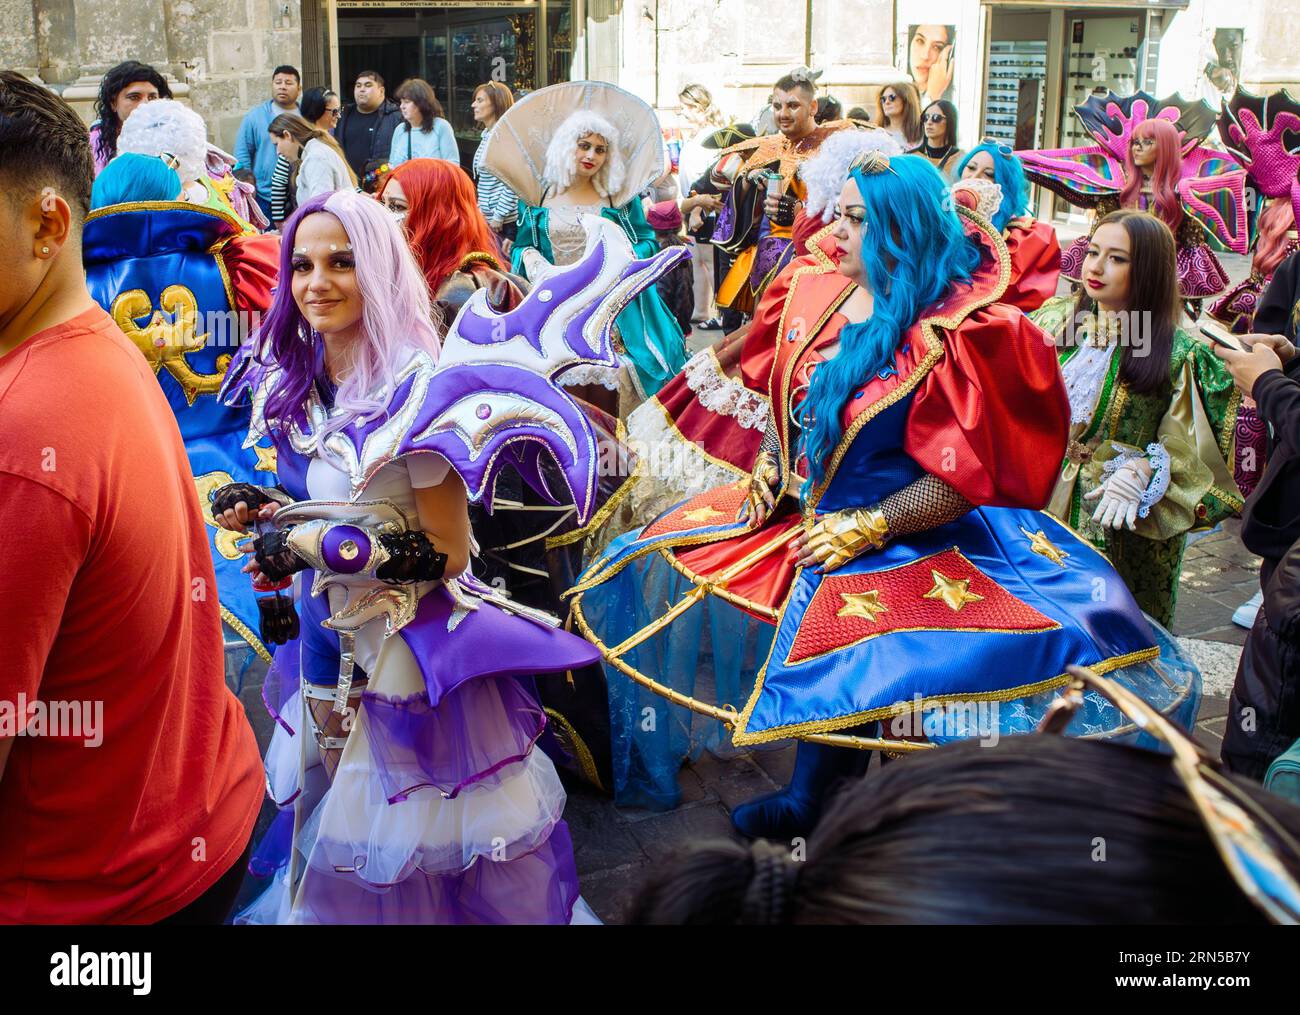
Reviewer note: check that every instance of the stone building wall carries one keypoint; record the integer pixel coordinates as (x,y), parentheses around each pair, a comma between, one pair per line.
(738,48)
(218,54)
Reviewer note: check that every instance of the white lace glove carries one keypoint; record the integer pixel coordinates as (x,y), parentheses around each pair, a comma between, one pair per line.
(1122,495)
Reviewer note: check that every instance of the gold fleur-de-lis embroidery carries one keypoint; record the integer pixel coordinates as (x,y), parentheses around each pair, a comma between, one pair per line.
(166,341)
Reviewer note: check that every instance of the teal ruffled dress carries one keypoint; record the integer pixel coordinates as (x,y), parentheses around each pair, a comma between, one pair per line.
(655,348)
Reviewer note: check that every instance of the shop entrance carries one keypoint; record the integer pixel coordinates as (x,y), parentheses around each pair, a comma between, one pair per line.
(1042,61)
(455,48)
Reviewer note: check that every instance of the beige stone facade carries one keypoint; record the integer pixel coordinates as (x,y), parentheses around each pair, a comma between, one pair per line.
(218,54)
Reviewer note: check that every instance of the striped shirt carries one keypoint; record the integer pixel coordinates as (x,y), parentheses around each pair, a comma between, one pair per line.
(281,209)
(497,202)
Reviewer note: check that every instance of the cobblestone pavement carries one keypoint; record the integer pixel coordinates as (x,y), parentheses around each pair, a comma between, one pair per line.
(615,846)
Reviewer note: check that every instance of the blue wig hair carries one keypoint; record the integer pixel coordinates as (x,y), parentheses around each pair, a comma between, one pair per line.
(913,249)
(135,178)
(1009,174)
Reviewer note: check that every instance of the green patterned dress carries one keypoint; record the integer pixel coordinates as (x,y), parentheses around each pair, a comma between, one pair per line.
(1185,429)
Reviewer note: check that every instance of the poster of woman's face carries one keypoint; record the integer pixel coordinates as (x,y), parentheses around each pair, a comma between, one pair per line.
(1224,71)
(930,51)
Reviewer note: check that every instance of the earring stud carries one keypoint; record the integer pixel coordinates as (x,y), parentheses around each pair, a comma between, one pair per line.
(45,250)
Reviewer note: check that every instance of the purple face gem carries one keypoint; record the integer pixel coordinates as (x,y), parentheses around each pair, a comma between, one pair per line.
(483,411)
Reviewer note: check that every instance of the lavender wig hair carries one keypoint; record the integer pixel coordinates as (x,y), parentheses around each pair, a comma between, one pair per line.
(396,318)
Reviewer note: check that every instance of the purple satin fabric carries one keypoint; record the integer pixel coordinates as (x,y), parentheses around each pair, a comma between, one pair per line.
(772,251)
(488,642)
(537,887)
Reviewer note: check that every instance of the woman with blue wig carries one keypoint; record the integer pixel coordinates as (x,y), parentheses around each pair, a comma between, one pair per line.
(130,178)
(885,579)
(991,181)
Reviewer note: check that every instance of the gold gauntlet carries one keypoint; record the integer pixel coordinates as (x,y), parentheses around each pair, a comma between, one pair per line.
(767,469)
(765,477)
(840,536)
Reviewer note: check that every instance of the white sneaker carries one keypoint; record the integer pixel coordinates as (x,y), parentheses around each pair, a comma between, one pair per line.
(1245,615)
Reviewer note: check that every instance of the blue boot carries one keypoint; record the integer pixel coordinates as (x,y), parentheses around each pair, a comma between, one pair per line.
(792,812)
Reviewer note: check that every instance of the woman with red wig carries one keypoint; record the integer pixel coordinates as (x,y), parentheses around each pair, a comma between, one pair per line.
(1148,156)
(438,208)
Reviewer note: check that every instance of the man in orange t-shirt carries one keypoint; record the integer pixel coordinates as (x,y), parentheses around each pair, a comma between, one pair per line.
(129,775)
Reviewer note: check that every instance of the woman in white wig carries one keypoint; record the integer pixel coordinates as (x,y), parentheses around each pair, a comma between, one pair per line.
(602,147)
(168,130)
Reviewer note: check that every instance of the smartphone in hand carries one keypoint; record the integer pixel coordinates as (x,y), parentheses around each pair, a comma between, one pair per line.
(1219,335)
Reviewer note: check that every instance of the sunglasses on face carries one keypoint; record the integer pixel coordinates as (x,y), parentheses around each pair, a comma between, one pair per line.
(1249,841)
(934,118)
(889,97)
(1144,142)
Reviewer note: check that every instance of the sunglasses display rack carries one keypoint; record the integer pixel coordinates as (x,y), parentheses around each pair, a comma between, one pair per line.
(1010,64)
(1095,73)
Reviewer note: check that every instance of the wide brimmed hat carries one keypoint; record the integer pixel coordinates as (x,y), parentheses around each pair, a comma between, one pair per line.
(516,152)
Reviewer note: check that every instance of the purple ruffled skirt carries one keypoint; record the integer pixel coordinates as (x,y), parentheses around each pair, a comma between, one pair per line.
(443,809)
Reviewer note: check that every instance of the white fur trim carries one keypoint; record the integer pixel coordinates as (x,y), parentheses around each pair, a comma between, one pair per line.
(824,174)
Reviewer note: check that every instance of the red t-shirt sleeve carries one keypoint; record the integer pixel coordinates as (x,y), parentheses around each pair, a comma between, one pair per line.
(43,540)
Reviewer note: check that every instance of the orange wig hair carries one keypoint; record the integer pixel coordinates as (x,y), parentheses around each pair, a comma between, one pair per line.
(1165,174)
(444,223)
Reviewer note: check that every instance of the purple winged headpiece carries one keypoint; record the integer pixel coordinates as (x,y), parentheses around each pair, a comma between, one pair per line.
(494,399)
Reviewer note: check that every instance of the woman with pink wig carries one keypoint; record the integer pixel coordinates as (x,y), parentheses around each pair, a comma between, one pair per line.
(404,760)
(1149,156)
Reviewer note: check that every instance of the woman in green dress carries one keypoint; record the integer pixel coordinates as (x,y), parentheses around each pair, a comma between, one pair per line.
(1152,411)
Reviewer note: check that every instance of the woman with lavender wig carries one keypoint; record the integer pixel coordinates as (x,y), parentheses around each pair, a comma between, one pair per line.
(405,758)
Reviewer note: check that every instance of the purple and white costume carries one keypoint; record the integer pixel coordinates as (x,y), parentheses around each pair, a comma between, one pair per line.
(442,809)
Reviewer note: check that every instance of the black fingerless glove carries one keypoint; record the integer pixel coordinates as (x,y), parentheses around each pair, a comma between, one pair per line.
(224,498)
(411,558)
(275,557)
(785,211)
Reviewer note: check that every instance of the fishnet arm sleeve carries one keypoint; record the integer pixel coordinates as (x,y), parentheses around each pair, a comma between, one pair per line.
(771,441)
(925,504)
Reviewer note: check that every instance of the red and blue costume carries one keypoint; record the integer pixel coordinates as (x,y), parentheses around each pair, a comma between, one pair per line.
(990,607)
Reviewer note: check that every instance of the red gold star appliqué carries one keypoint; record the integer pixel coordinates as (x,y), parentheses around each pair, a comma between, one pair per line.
(848,609)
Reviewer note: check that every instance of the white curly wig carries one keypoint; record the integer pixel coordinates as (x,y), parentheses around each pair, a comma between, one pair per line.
(165,125)
(824,174)
(562,151)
